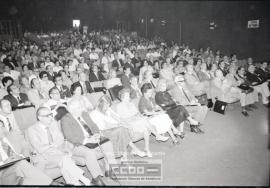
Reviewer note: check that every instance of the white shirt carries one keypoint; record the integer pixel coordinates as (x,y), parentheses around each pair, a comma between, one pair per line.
(103,121)
(13,74)
(93,56)
(13,123)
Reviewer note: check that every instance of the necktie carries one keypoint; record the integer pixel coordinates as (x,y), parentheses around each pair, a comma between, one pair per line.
(87,129)
(185,95)
(9,125)
(7,149)
(19,100)
(50,138)
(152,84)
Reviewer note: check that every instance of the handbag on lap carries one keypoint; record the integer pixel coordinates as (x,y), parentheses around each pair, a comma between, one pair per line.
(220,107)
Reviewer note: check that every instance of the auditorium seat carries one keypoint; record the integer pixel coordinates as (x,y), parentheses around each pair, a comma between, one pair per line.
(94,97)
(25,117)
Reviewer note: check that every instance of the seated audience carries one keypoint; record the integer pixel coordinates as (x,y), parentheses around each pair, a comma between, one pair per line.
(184,97)
(45,83)
(196,86)
(22,172)
(111,126)
(77,93)
(95,75)
(86,86)
(66,81)
(82,132)
(35,95)
(223,90)
(47,140)
(64,90)
(24,84)
(258,84)
(156,116)
(125,78)
(17,100)
(177,113)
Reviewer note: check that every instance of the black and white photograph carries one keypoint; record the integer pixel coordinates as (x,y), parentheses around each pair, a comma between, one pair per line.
(134,93)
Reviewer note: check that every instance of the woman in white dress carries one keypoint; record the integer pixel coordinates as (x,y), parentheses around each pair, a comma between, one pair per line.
(137,123)
(76,91)
(112,127)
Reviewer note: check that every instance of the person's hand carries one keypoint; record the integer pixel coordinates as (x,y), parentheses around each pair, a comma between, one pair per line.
(92,140)
(27,103)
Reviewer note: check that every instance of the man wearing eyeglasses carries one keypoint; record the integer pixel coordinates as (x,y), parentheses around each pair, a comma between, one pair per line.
(48,141)
(17,171)
(184,96)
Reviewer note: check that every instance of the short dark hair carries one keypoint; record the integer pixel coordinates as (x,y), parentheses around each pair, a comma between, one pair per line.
(52,89)
(32,82)
(57,76)
(74,86)
(42,73)
(6,79)
(145,87)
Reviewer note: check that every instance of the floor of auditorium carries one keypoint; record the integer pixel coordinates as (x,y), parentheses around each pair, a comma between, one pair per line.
(232,152)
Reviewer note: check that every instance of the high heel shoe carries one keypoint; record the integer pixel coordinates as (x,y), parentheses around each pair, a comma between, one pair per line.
(162,138)
(194,129)
(139,153)
(175,141)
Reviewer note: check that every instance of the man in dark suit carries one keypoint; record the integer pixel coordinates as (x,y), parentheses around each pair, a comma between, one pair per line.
(117,63)
(79,129)
(263,72)
(95,75)
(50,72)
(16,99)
(64,90)
(258,84)
(125,78)
(86,86)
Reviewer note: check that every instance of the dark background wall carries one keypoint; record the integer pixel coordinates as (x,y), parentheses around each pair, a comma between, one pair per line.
(186,21)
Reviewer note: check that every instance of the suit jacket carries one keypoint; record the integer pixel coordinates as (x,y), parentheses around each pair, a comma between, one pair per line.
(115,64)
(131,66)
(51,76)
(38,138)
(263,74)
(94,78)
(253,78)
(72,130)
(14,102)
(88,87)
(34,98)
(192,80)
(125,81)
(178,94)
(64,92)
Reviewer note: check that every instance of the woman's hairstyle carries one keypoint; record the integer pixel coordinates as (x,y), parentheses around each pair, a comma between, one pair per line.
(74,86)
(32,82)
(21,78)
(123,91)
(25,66)
(102,101)
(160,82)
(145,87)
(6,79)
(42,73)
